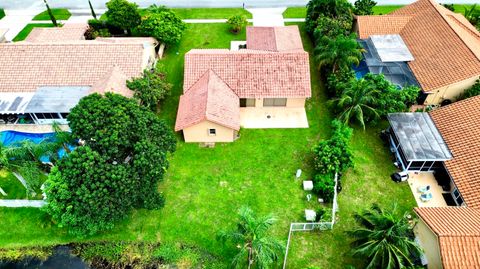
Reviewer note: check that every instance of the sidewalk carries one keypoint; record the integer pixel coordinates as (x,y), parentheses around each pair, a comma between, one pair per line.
(267,16)
(22,203)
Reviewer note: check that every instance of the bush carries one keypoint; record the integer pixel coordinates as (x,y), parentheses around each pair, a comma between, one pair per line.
(237,23)
(150,88)
(123,14)
(472,91)
(333,155)
(331,28)
(324,186)
(335,9)
(364,7)
(164,25)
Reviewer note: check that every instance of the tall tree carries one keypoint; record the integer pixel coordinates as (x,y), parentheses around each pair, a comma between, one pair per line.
(339,53)
(364,7)
(384,238)
(334,9)
(357,102)
(123,14)
(150,89)
(162,24)
(256,247)
(50,14)
(94,15)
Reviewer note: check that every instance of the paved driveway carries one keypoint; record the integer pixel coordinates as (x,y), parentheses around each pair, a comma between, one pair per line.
(83,4)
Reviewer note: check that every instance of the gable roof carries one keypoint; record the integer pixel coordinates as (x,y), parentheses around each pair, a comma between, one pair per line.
(253,73)
(68,32)
(458,232)
(113,81)
(446,47)
(27,66)
(280,38)
(209,99)
(459,125)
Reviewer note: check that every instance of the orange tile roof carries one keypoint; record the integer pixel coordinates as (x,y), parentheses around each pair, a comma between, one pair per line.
(458,232)
(113,81)
(68,32)
(280,38)
(459,125)
(253,73)
(209,99)
(446,47)
(26,66)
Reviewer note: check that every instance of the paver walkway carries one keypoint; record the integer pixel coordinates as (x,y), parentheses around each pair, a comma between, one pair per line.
(22,203)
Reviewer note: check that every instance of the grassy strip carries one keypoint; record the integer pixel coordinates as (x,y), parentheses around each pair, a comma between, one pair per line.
(203,13)
(28,28)
(58,13)
(301,12)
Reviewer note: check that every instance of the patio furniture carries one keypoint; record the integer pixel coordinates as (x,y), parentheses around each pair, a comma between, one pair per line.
(307,185)
(310,215)
(423,189)
(425,197)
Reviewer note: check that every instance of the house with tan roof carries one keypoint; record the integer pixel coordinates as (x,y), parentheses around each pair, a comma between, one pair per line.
(264,84)
(440,151)
(46,75)
(429,46)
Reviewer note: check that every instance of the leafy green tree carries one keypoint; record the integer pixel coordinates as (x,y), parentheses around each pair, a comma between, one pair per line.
(87,193)
(256,248)
(164,25)
(334,155)
(338,53)
(472,91)
(237,23)
(324,186)
(384,238)
(472,14)
(364,7)
(357,102)
(150,89)
(331,28)
(335,9)
(50,14)
(450,7)
(123,14)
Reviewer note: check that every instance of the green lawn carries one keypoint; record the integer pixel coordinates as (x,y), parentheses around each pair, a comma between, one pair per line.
(205,187)
(300,12)
(10,184)
(28,28)
(204,13)
(58,13)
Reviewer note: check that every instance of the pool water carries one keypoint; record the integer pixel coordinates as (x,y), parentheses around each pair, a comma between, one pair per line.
(361,70)
(10,138)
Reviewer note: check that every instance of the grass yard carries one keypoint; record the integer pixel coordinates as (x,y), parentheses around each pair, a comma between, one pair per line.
(301,12)
(203,13)
(205,187)
(58,13)
(28,28)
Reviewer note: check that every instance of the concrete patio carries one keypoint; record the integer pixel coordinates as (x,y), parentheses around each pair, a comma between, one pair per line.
(426,179)
(273,117)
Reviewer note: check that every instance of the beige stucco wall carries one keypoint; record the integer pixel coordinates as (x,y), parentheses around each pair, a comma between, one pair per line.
(449,92)
(199,133)
(291,102)
(429,244)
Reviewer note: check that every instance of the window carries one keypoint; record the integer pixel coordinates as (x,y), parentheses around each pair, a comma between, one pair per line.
(275,102)
(212,132)
(457,197)
(247,102)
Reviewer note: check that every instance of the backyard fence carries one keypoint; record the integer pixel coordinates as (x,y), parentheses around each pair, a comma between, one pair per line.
(311,226)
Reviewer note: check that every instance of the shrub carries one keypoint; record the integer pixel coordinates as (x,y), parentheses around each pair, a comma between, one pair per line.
(168,253)
(150,88)
(472,91)
(324,186)
(333,155)
(237,23)
(331,28)
(164,25)
(123,14)
(364,7)
(335,9)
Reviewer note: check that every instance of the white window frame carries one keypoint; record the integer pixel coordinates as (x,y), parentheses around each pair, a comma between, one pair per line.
(210,131)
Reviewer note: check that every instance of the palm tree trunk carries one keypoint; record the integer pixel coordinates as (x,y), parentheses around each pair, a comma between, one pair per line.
(49,11)
(91,10)
(250,257)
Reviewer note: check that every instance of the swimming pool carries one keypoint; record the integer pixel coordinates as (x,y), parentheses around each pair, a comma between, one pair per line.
(9,138)
(361,70)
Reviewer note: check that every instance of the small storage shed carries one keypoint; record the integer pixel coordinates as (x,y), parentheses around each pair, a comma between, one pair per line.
(209,111)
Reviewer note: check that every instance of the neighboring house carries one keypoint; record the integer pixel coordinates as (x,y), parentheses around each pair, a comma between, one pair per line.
(444,144)
(422,44)
(46,75)
(264,85)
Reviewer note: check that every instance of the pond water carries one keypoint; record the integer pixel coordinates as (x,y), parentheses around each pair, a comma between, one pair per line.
(60,259)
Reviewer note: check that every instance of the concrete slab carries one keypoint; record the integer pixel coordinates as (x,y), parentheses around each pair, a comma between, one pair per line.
(424,179)
(267,16)
(273,117)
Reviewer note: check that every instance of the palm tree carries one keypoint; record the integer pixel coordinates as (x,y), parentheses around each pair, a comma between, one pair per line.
(94,15)
(357,102)
(256,247)
(340,52)
(472,14)
(384,238)
(50,14)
